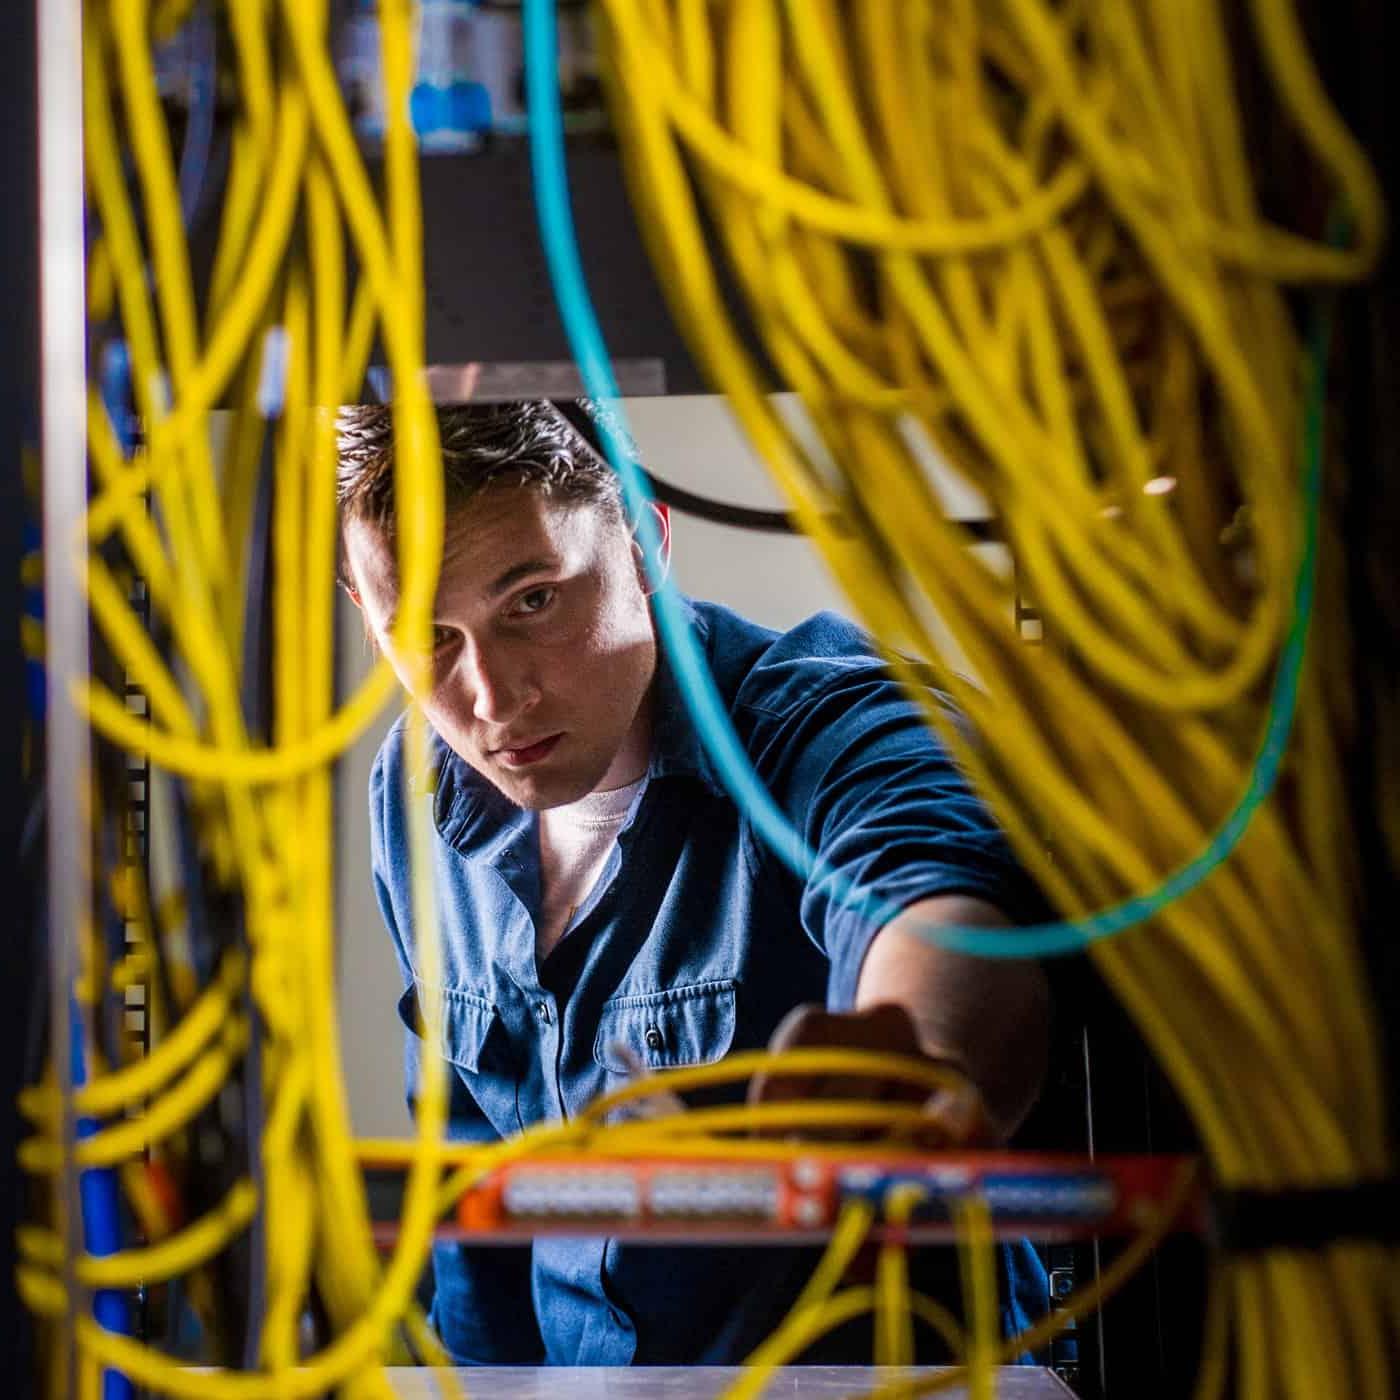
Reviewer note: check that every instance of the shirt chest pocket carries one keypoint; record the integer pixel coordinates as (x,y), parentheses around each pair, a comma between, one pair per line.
(681,1026)
(468,1023)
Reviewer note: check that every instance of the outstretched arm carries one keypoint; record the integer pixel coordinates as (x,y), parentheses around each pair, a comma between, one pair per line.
(990,1017)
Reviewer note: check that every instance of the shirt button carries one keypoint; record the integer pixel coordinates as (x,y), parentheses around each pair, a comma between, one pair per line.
(654,1039)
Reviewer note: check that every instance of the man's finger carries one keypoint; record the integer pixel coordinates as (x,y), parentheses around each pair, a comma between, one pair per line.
(885,1028)
(955,1117)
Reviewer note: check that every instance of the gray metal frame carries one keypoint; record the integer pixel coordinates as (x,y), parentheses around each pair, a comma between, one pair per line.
(63,406)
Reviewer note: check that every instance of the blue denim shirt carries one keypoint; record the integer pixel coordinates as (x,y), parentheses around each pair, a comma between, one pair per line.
(695,942)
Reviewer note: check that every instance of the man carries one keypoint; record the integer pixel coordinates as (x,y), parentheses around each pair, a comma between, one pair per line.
(605,906)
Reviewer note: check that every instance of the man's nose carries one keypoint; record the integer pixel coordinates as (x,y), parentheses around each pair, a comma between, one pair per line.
(499,687)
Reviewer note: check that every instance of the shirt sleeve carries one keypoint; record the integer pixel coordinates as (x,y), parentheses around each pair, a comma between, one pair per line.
(881,802)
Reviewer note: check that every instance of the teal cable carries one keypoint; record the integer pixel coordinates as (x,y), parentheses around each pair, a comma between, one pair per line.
(697,686)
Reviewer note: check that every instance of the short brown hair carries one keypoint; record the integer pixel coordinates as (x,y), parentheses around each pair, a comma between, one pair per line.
(530,443)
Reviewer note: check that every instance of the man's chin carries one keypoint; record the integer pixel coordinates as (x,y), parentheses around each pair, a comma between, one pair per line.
(538,792)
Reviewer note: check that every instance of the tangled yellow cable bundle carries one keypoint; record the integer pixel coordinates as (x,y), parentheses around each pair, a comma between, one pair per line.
(277,339)
(296,182)
(1030,232)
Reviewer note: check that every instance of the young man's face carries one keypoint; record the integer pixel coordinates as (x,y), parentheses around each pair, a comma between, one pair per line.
(544,652)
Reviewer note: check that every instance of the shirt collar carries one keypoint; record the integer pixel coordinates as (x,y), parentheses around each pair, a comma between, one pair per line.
(469,812)
(676,750)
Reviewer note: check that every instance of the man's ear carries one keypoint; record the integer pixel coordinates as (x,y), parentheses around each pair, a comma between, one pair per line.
(351,593)
(661,519)
(343,575)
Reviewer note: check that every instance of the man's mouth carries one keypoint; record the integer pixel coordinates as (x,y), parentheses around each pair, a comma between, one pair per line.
(529,753)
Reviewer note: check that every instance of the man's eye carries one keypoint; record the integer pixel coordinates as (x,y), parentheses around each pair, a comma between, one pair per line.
(443,636)
(535,601)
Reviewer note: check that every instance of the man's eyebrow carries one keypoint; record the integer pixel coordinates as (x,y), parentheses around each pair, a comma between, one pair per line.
(503,583)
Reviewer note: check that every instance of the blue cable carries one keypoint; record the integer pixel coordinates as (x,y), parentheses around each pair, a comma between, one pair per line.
(199,120)
(102,1231)
(697,686)
(99,1188)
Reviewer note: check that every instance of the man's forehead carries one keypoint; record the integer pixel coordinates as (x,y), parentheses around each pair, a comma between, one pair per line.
(490,542)
(505,528)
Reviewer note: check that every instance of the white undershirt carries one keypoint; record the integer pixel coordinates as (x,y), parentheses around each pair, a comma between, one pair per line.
(575,842)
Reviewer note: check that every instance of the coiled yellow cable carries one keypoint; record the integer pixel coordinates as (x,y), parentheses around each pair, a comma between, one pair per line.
(1117,371)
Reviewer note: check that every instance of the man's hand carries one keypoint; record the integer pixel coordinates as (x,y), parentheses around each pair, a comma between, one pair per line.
(956,1116)
(988,1018)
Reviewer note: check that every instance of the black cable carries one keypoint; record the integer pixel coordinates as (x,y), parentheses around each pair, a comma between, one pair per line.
(1248,1220)
(581,417)
(257,699)
(772,522)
